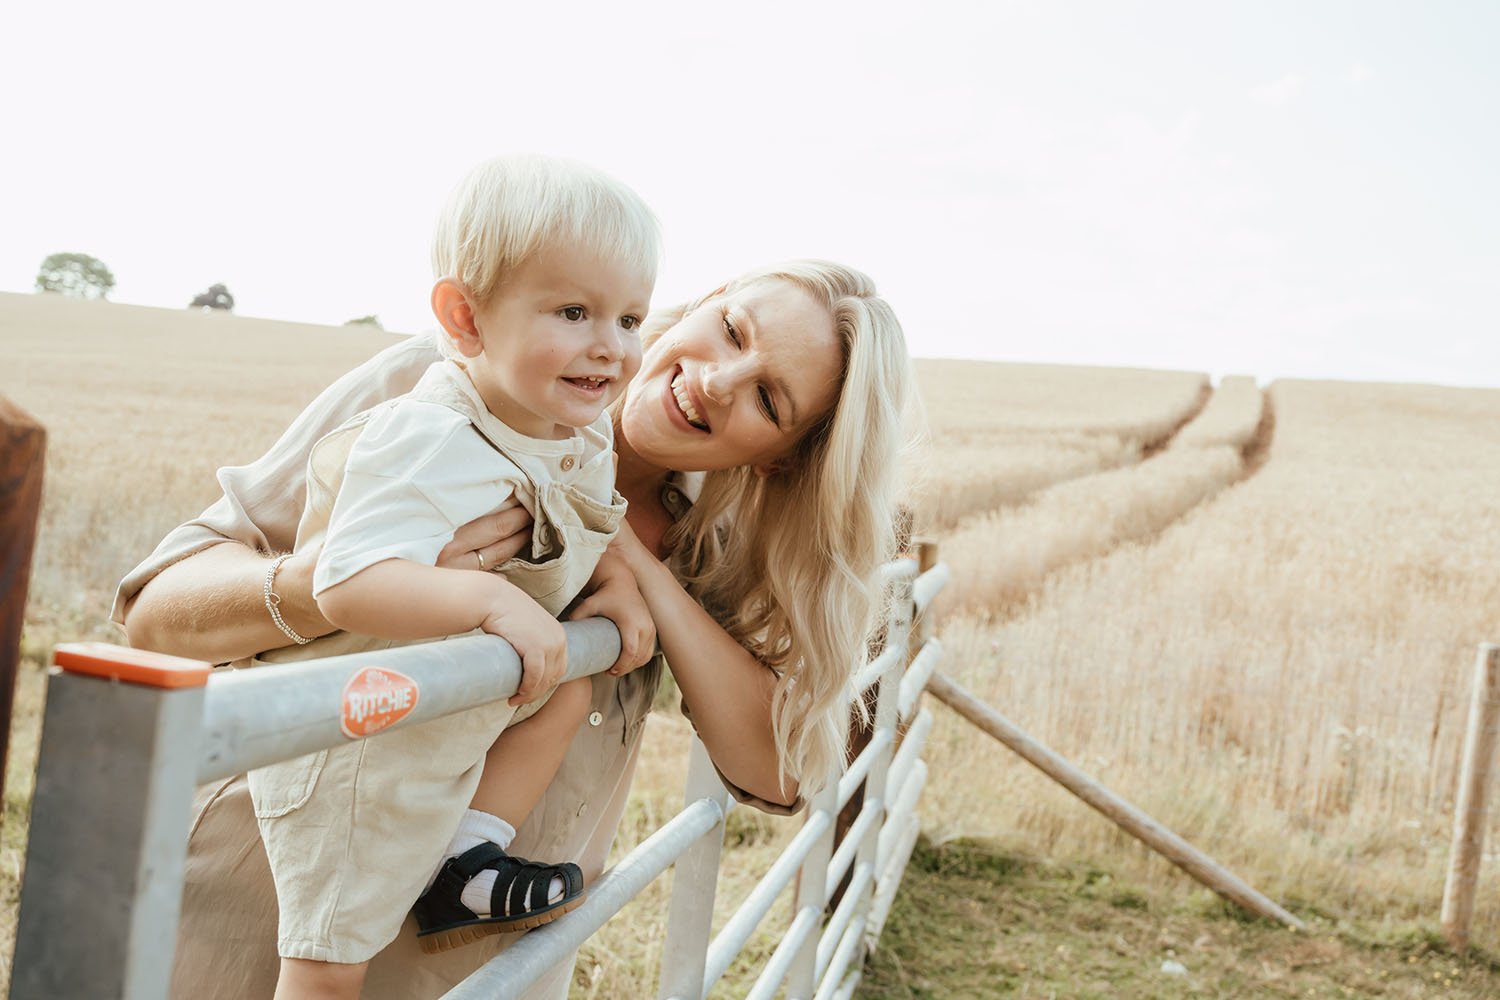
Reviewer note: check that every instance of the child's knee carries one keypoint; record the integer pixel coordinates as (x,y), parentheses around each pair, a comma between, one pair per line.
(573,698)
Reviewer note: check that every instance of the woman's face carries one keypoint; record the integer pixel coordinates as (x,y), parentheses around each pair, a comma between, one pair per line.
(737,381)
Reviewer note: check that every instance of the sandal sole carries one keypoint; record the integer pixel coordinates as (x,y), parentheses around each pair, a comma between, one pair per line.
(443,939)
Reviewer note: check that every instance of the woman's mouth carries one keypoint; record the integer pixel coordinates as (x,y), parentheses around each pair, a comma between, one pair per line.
(685,402)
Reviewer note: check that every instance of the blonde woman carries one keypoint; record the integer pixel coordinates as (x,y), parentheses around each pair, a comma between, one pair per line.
(758,450)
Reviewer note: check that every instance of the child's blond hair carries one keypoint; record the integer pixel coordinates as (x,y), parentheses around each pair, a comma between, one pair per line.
(511,207)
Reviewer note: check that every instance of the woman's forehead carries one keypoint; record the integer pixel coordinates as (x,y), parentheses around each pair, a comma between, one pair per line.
(780,308)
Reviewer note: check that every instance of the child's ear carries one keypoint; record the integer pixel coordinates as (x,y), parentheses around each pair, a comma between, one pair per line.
(454,311)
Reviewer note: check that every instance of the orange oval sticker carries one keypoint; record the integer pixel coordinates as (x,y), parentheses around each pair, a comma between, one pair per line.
(374,699)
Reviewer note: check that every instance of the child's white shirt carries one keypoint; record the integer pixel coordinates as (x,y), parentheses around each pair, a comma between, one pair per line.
(429,462)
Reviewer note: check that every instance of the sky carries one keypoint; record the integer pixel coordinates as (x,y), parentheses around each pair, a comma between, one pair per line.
(1275,189)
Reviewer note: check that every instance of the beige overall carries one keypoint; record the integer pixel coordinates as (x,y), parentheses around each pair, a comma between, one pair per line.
(353,833)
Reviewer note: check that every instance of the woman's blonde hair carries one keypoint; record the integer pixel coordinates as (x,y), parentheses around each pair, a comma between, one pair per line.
(511,207)
(786,563)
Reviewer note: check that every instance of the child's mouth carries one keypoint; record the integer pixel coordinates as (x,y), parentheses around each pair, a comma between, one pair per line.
(592,384)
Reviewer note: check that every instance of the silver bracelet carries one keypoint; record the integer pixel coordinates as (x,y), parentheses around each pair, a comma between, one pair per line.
(273,602)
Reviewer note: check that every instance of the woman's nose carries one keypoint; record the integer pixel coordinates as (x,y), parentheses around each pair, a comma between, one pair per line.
(718,382)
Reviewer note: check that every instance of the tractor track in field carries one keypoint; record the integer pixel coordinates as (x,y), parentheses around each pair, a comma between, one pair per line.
(1168,485)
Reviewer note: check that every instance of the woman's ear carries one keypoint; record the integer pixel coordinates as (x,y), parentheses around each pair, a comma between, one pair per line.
(455,313)
(765,470)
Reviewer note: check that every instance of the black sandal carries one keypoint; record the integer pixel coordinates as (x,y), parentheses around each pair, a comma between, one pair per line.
(444,922)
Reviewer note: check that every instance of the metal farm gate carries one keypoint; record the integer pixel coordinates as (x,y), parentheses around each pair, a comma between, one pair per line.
(128,735)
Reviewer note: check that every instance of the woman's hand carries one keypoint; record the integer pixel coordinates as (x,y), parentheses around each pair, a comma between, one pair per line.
(615,596)
(488,541)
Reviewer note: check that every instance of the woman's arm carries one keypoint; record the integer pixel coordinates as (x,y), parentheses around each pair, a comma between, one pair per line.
(211,606)
(726,688)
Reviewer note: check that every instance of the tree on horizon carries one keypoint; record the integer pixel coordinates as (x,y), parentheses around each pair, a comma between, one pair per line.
(216,297)
(76,275)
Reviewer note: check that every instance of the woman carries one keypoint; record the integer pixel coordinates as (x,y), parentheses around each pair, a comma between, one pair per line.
(757,449)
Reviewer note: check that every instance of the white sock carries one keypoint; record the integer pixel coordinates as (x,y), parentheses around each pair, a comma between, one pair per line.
(474,829)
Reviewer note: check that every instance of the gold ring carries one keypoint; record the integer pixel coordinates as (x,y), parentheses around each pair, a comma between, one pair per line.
(480,556)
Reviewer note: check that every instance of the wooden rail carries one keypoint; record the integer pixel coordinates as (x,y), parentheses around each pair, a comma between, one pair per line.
(1130,819)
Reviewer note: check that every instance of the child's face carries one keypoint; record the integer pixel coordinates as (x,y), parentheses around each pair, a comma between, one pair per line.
(559,341)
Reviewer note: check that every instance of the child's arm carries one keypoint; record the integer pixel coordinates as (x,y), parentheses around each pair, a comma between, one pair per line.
(400,599)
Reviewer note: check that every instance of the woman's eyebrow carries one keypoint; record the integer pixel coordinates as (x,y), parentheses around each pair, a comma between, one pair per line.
(749,322)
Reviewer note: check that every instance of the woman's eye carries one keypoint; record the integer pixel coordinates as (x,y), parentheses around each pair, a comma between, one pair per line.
(572,313)
(730,331)
(767,405)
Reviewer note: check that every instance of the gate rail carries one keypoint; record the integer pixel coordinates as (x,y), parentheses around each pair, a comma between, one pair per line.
(128,735)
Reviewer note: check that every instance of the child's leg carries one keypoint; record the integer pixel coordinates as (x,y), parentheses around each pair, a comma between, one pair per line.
(303,979)
(525,758)
(460,905)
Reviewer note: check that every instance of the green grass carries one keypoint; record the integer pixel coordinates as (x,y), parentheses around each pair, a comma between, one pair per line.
(972,920)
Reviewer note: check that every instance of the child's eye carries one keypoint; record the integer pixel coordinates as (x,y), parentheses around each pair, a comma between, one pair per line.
(730,331)
(572,313)
(630,322)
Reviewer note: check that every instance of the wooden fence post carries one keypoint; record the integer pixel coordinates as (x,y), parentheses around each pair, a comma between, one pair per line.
(24,444)
(1473,785)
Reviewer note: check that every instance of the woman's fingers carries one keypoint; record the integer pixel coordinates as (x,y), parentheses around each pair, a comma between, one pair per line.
(505,549)
(487,541)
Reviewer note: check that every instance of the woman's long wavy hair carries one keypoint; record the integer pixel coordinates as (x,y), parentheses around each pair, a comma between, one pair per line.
(787,563)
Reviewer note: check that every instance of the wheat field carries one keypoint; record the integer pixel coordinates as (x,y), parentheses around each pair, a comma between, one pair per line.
(1251,611)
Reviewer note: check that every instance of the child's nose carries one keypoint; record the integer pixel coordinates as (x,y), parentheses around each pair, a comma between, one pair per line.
(609,341)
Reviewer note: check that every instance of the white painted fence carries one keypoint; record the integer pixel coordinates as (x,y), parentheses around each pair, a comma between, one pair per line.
(127,736)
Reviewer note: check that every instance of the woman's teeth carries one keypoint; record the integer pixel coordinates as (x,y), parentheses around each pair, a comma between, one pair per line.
(685,403)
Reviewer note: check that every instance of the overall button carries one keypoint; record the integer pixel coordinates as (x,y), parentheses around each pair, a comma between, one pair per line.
(567,462)
(595,718)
